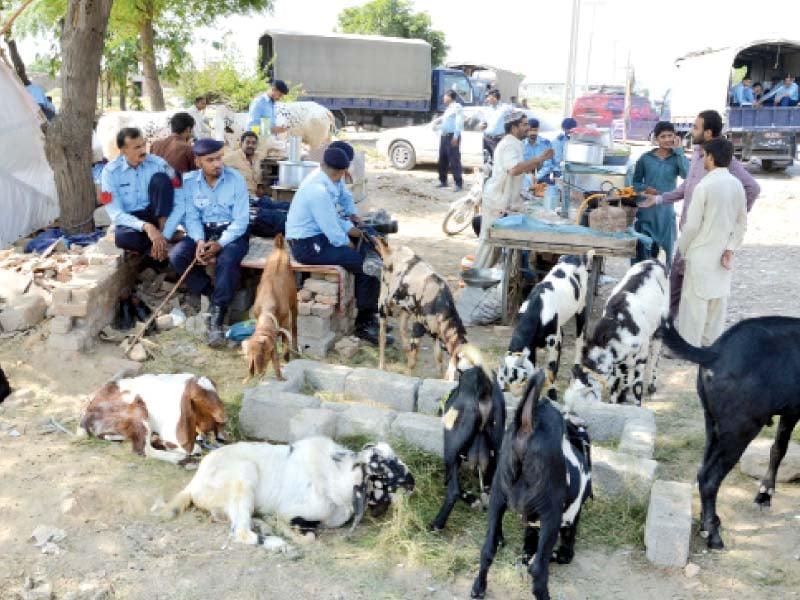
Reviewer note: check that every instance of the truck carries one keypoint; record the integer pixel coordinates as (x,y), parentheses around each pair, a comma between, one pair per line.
(703,81)
(482,75)
(365,79)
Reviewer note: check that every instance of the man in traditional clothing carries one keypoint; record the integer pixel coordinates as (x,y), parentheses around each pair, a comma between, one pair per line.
(201,129)
(247,161)
(176,149)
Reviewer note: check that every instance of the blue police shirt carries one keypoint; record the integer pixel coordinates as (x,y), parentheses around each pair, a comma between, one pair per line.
(494,117)
(790,90)
(558,150)
(453,119)
(532,151)
(261,107)
(313,211)
(343,202)
(742,95)
(124,189)
(37,93)
(227,202)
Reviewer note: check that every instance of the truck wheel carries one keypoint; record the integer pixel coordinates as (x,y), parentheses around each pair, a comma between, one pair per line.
(766,165)
(402,156)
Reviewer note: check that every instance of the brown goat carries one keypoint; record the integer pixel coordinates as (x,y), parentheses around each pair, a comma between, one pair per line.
(275,310)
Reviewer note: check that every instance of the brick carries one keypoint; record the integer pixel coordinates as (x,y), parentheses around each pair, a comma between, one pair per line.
(266,413)
(62,295)
(23,312)
(394,390)
(755,459)
(74,341)
(305,295)
(431,393)
(82,295)
(359,419)
(320,376)
(606,421)
(422,431)
(13,284)
(71,309)
(60,324)
(622,475)
(322,310)
(313,327)
(320,286)
(312,421)
(638,438)
(332,278)
(304,308)
(668,529)
(316,347)
(325,299)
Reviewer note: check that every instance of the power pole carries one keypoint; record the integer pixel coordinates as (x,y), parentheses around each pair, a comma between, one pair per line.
(589,53)
(569,86)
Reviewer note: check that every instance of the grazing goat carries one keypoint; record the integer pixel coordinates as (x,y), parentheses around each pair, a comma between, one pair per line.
(411,285)
(747,376)
(310,483)
(176,407)
(474,420)
(560,296)
(275,310)
(625,338)
(5,387)
(545,475)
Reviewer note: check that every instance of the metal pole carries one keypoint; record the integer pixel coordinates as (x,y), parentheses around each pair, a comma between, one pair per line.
(569,86)
(589,53)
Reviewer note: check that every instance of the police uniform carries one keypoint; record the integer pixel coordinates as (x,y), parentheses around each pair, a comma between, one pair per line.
(138,195)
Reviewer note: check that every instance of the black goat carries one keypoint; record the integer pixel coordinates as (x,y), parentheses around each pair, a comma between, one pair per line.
(746,377)
(5,387)
(474,419)
(544,474)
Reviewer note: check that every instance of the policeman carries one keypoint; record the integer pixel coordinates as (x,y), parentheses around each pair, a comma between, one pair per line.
(318,236)
(217,215)
(263,107)
(138,191)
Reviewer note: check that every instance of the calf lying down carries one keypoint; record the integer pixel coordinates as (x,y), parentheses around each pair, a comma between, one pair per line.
(311,483)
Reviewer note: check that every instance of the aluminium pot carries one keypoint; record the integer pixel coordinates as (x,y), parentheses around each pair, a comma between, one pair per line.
(291,173)
(584,154)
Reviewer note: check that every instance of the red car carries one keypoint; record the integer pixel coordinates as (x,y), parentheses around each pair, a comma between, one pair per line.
(601,109)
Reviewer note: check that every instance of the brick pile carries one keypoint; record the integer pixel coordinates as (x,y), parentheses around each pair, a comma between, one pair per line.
(319,320)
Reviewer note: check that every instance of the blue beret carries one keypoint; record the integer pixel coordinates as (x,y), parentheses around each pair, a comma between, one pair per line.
(205,146)
(569,123)
(533,123)
(348,149)
(336,158)
(281,86)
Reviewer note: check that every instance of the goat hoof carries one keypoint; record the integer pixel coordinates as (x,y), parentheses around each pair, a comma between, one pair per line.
(764,500)
(435,527)
(563,556)
(478,591)
(715,543)
(704,534)
(485,500)
(651,389)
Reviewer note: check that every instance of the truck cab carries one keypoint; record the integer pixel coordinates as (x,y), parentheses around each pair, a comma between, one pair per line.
(444,79)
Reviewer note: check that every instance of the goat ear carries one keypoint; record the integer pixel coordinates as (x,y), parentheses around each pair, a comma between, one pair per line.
(187,421)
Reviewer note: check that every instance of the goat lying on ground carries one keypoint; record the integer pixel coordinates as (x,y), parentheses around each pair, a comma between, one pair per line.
(175,407)
(750,374)
(275,310)
(474,419)
(626,339)
(544,474)
(310,483)
(560,296)
(411,285)
(5,387)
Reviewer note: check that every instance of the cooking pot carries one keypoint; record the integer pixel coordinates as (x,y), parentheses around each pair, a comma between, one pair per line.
(291,173)
(585,154)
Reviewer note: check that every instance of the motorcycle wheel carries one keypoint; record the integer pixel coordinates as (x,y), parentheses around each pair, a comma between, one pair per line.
(459,218)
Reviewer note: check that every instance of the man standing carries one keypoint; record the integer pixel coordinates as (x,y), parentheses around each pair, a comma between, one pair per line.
(263,107)
(197,112)
(742,93)
(560,144)
(450,141)
(707,126)
(533,147)
(714,229)
(786,94)
(317,236)
(176,149)
(247,162)
(493,118)
(138,191)
(217,217)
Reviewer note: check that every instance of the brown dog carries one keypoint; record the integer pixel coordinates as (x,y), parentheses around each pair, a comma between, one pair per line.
(275,310)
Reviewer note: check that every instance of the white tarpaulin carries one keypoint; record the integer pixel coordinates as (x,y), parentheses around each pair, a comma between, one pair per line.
(28,199)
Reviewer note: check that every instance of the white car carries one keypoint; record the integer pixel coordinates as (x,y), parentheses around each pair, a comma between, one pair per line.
(407,147)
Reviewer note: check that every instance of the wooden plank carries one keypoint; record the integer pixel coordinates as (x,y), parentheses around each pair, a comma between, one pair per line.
(562,243)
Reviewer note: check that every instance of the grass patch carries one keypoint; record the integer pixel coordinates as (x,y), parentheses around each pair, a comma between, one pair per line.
(679,455)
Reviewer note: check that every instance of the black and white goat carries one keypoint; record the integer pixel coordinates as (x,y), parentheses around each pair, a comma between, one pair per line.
(544,474)
(5,387)
(747,376)
(559,297)
(474,418)
(625,342)
(313,482)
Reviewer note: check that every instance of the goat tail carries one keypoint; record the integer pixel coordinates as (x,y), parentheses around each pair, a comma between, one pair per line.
(674,341)
(279,242)
(178,504)
(525,419)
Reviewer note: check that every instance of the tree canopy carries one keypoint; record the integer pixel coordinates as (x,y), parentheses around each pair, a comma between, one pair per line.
(394,18)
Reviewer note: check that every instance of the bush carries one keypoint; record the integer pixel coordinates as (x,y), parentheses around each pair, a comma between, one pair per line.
(221,82)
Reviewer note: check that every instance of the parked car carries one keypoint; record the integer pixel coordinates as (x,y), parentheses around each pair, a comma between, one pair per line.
(599,110)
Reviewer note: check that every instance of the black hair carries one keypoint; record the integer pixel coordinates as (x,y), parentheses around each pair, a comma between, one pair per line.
(787,76)
(510,124)
(494,92)
(180,122)
(721,150)
(126,133)
(663,126)
(248,134)
(711,121)
(451,94)
(281,86)
(199,98)
(747,78)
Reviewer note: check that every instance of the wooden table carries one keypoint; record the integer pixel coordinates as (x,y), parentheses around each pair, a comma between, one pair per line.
(516,240)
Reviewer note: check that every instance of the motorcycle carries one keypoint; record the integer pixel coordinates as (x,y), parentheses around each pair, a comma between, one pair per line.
(464,209)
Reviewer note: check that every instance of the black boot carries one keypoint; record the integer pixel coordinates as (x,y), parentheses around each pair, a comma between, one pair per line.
(368,329)
(216,332)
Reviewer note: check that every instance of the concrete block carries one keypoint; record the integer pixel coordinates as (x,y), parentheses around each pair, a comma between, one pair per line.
(82,294)
(304,309)
(60,324)
(326,299)
(101,218)
(638,438)
(266,413)
(423,431)
(71,309)
(75,341)
(13,284)
(347,347)
(23,312)
(755,460)
(316,347)
(312,421)
(606,421)
(313,327)
(431,394)
(320,376)
(616,474)
(320,286)
(393,390)
(322,310)
(358,419)
(332,278)
(305,295)
(62,295)
(668,529)
(336,407)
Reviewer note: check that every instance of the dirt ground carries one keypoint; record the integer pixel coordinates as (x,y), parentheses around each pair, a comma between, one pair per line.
(100,494)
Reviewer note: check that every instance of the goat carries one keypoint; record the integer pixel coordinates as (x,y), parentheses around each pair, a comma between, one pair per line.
(175,407)
(312,482)
(275,310)
(474,419)
(747,376)
(560,296)
(5,386)
(625,338)
(410,285)
(544,474)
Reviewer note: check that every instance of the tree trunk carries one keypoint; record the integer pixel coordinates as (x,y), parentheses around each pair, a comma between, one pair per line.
(68,142)
(16,60)
(152,85)
(123,93)
(109,90)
